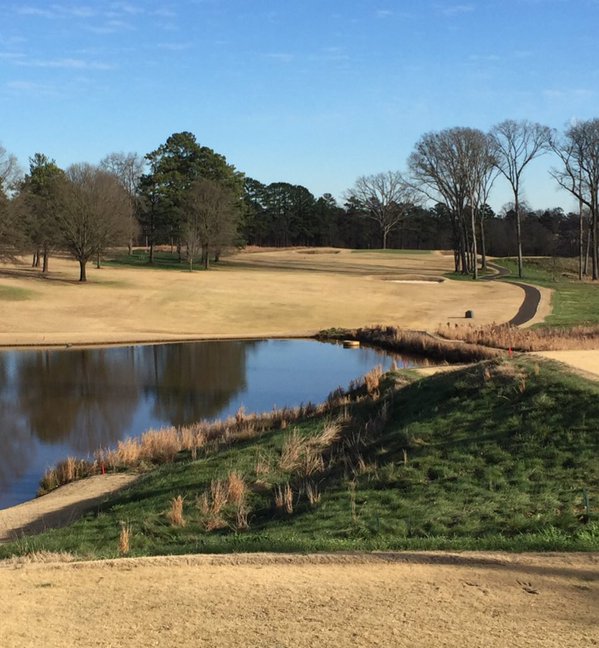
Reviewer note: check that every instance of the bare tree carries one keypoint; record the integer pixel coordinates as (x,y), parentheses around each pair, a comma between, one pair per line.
(10,238)
(454,167)
(128,169)
(93,213)
(516,143)
(480,174)
(578,151)
(210,220)
(386,198)
(9,170)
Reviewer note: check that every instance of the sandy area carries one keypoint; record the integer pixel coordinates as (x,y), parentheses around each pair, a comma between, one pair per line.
(60,507)
(387,600)
(273,293)
(586,361)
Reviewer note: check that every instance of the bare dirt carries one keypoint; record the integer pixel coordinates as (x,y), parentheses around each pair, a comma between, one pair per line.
(395,599)
(256,294)
(585,362)
(60,507)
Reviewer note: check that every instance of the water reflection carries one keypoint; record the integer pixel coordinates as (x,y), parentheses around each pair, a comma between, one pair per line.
(56,403)
(190,382)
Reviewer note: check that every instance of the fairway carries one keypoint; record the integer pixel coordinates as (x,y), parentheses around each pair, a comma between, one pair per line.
(410,599)
(291,292)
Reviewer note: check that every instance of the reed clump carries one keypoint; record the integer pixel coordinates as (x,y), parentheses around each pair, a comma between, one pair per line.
(124,539)
(167,445)
(505,336)
(64,472)
(418,343)
(283,498)
(175,513)
(225,503)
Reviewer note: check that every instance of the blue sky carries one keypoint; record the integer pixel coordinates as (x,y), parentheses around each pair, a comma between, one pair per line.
(313,92)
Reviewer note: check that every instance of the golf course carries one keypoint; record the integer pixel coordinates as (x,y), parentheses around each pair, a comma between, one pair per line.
(452,505)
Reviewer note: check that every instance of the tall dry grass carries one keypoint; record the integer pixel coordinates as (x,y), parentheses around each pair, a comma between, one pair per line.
(224,503)
(156,447)
(124,539)
(414,342)
(175,513)
(283,498)
(504,336)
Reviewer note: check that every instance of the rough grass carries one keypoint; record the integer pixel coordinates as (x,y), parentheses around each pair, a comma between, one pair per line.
(140,258)
(501,455)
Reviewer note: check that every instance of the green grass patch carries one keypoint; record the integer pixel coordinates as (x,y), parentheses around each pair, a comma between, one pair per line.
(140,258)
(499,456)
(393,251)
(458,276)
(12,293)
(574,302)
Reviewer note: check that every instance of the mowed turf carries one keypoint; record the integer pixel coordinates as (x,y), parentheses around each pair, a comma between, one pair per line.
(250,294)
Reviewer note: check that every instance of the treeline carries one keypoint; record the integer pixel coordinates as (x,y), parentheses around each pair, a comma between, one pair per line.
(188,196)
(277,221)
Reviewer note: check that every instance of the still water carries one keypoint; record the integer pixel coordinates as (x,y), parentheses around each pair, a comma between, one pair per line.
(59,403)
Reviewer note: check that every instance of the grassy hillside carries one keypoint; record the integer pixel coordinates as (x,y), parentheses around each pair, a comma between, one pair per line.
(501,455)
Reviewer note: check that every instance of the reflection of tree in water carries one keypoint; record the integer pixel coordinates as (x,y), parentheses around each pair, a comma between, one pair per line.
(194,381)
(83,397)
(16,445)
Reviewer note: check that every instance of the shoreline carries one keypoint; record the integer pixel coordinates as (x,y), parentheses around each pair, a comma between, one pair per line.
(152,341)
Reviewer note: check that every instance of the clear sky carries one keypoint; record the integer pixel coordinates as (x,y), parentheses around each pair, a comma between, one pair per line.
(312,92)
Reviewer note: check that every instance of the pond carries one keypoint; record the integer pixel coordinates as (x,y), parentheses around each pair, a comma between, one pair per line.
(55,404)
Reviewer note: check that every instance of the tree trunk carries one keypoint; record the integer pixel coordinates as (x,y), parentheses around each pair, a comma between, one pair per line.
(588,251)
(82,272)
(151,255)
(46,254)
(98,260)
(206,255)
(483,244)
(594,240)
(518,234)
(580,239)
(474,249)
(464,247)
(385,234)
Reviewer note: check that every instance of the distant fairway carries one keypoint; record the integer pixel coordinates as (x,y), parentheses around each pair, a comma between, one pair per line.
(288,292)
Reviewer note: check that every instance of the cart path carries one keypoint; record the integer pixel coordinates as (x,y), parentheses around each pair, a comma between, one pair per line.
(532,296)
